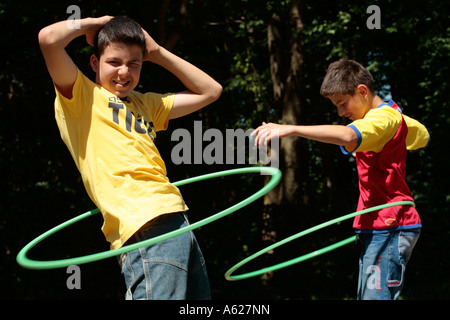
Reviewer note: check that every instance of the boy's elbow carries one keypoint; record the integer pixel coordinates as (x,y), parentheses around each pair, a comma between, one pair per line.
(45,37)
(349,138)
(216,92)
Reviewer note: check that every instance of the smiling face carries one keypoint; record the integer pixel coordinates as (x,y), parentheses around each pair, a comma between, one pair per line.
(353,107)
(119,67)
(347,106)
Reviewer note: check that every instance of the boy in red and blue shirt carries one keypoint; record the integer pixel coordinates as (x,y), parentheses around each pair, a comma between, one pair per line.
(384,136)
(379,138)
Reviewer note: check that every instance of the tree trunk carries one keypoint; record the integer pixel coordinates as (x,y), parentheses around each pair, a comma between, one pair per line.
(170,39)
(286,65)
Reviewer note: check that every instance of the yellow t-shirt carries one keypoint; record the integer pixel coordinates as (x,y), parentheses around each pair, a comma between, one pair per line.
(378,127)
(112,144)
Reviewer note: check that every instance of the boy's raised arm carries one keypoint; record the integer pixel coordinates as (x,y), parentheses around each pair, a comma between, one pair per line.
(54,38)
(201,88)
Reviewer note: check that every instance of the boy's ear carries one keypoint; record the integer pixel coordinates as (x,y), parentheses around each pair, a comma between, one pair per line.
(94,63)
(362,90)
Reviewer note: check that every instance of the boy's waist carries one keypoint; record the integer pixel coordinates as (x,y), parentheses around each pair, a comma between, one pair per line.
(402,216)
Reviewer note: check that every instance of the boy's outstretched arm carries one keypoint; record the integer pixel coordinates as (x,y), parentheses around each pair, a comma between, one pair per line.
(201,88)
(334,134)
(54,38)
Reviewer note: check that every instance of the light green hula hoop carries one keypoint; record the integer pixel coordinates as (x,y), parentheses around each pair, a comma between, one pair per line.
(53,264)
(313,254)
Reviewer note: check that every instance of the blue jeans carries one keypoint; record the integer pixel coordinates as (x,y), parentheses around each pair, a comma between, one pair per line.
(173,269)
(382,263)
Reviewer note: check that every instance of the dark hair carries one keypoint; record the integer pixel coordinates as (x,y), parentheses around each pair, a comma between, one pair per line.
(344,76)
(119,29)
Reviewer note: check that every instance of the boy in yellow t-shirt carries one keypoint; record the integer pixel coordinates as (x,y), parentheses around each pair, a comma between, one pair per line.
(110,130)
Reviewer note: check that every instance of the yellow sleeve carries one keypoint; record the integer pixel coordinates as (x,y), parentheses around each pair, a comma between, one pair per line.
(375,129)
(157,107)
(418,136)
(81,97)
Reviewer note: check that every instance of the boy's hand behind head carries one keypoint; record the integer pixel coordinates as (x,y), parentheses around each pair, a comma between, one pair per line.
(151,48)
(97,24)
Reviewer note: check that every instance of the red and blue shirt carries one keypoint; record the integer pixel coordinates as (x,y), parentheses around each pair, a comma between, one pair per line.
(384,137)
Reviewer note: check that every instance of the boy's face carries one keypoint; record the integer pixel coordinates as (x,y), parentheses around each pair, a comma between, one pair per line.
(353,107)
(119,68)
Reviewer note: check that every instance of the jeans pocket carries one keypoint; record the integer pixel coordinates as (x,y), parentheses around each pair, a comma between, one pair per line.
(407,239)
(406,243)
(397,283)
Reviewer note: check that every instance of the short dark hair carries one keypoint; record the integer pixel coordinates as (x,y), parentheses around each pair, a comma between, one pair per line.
(119,29)
(344,76)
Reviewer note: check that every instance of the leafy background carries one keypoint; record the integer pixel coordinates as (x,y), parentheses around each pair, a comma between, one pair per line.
(409,57)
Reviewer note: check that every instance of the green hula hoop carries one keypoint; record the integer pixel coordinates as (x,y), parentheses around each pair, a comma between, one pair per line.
(25,262)
(313,254)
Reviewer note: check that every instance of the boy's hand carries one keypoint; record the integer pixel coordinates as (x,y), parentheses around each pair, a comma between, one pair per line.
(268,131)
(201,89)
(93,28)
(53,40)
(152,48)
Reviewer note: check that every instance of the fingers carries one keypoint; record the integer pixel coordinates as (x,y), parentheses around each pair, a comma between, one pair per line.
(264,134)
(151,47)
(93,28)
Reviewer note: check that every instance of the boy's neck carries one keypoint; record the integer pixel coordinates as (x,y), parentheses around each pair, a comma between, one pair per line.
(375,101)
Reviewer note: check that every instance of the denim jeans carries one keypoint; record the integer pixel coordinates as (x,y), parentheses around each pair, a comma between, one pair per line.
(382,263)
(173,269)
